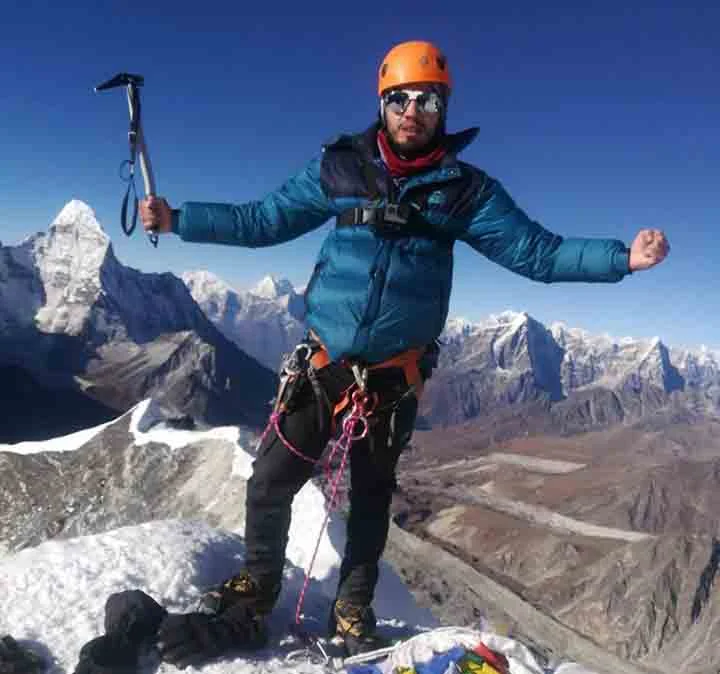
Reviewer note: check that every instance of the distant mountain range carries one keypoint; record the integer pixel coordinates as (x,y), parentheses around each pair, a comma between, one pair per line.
(265,321)
(73,318)
(587,381)
(583,381)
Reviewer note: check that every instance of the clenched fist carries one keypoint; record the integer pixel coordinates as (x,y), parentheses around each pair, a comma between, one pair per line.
(156,215)
(649,248)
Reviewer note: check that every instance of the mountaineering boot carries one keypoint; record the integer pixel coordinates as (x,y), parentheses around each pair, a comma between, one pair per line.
(355,625)
(241,588)
(243,591)
(228,618)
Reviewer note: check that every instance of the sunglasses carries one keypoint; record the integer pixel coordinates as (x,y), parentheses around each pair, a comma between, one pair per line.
(427,102)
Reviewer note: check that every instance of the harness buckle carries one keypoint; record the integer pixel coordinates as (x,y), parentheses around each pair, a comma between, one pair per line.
(393,220)
(396,214)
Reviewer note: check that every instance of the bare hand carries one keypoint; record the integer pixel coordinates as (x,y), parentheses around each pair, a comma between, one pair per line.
(649,248)
(156,215)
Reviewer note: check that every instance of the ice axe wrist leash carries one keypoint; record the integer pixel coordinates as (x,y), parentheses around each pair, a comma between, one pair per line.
(138,151)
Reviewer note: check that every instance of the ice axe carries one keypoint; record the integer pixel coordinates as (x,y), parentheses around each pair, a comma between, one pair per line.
(138,150)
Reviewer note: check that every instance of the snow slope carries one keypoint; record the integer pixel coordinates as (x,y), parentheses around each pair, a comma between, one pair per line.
(53,595)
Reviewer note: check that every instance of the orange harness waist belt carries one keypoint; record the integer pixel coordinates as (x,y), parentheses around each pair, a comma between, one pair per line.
(407,361)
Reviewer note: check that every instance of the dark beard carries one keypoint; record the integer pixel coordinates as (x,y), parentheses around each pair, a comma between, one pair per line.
(410,154)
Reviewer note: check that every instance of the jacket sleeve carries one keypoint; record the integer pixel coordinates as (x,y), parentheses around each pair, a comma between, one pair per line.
(297,207)
(506,235)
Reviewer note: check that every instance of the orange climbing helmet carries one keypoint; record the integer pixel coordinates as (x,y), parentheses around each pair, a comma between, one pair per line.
(411,62)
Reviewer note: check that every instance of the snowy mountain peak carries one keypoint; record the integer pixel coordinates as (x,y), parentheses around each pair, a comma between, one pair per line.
(67,279)
(655,353)
(265,322)
(509,318)
(205,283)
(458,327)
(272,288)
(69,259)
(79,215)
(506,321)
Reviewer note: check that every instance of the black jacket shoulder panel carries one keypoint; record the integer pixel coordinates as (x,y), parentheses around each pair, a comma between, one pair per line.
(342,140)
(466,193)
(342,172)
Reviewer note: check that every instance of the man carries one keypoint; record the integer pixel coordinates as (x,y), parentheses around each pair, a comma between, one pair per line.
(377,300)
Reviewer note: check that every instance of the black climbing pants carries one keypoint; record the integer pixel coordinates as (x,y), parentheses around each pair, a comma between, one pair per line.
(278,474)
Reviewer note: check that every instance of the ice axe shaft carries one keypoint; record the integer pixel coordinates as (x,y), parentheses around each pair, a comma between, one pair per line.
(138,146)
(145,165)
(133,99)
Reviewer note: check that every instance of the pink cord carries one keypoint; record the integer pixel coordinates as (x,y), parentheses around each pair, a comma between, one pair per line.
(354,427)
(274,423)
(349,435)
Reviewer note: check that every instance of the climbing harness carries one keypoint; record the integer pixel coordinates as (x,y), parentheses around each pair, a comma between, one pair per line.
(408,361)
(351,413)
(354,408)
(138,151)
(394,221)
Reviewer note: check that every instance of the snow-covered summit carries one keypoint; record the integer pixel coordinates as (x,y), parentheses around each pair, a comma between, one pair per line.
(264,322)
(272,288)
(458,327)
(69,258)
(462,328)
(67,278)
(507,317)
(204,285)
(79,215)
(176,560)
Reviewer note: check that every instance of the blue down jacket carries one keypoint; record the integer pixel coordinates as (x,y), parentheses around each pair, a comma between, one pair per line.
(371,295)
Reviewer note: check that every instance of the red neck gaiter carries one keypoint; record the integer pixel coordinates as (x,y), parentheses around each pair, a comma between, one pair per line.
(401,168)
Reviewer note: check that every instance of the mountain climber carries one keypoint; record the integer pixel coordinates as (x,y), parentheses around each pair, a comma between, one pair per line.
(376,303)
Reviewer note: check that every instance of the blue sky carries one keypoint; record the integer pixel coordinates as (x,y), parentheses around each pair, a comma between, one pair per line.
(600,120)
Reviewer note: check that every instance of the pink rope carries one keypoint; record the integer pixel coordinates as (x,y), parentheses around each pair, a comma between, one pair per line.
(274,423)
(354,427)
(356,419)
